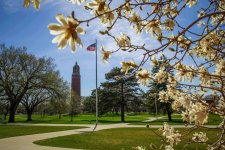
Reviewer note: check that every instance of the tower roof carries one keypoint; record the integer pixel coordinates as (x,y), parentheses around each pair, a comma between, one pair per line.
(76,69)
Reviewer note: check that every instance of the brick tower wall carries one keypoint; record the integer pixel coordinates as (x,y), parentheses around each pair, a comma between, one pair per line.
(76,85)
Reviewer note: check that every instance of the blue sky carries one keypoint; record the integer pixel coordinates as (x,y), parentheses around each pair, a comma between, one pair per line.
(28,27)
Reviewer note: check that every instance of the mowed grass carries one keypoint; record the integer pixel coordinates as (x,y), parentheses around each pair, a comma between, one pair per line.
(177,120)
(80,119)
(120,138)
(110,119)
(16,130)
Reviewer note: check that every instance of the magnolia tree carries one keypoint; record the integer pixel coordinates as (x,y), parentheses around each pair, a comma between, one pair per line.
(202,49)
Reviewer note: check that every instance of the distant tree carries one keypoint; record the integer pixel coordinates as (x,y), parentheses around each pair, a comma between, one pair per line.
(198,40)
(88,104)
(127,87)
(136,103)
(20,72)
(44,108)
(33,98)
(60,100)
(74,104)
(156,87)
(4,108)
(109,98)
(59,105)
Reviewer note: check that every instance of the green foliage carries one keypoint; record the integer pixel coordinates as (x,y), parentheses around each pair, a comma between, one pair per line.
(23,76)
(155,88)
(117,95)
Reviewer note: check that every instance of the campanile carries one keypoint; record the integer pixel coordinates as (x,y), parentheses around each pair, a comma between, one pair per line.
(75,84)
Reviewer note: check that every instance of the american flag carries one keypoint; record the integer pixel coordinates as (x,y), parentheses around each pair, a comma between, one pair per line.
(91,47)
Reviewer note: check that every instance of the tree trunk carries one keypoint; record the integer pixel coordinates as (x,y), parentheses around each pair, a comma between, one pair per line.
(5,115)
(71,119)
(44,114)
(168,111)
(12,113)
(6,112)
(29,113)
(29,116)
(122,104)
(59,115)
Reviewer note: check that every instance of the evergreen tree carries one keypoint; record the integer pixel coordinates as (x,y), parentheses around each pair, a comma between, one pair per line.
(156,87)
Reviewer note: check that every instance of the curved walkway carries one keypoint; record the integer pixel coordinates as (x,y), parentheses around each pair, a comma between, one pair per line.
(26,142)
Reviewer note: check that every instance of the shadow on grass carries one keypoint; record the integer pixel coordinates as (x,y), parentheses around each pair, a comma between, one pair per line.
(84,121)
(160,122)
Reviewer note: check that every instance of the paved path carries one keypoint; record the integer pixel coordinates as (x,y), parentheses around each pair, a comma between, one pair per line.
(150,119)
(26,142)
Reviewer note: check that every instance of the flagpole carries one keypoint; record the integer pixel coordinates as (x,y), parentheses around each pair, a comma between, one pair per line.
(96,90)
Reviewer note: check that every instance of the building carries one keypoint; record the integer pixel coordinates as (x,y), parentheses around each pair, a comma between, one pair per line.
(76,88)
(211,100)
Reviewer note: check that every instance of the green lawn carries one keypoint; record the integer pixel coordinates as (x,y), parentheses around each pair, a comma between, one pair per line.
(15,130)
(81,119)
(109,119)
(117,139)
(177,120)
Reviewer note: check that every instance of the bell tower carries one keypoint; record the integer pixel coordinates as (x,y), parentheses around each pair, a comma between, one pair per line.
(76,80)
(75,90)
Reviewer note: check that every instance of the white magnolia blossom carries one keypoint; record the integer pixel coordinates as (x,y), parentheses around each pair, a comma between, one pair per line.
(176,105)
(139,148)
(185,100)
(154,60)
(221,104)
(123,41)
(161,75)
(201,13)
(183,42)
(126,66)
(184,72)
(154,28)
(169,24)
(143,77)
(204,76)
(172,136)
(67,31)
(200,113)
(181,101)
(98,7)
(77,1)
(220,68)
(164,96)
(197,61)
(105,54)
(199,137)
(201,23)
(172,11)
(168,147)
(36,3)
(191,2)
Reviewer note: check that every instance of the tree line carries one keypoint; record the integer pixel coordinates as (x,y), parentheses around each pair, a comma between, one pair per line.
(29,84)
(121,93)
(28,81)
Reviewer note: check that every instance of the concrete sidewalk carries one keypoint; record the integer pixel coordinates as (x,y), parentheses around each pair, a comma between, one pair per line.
(26,142)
